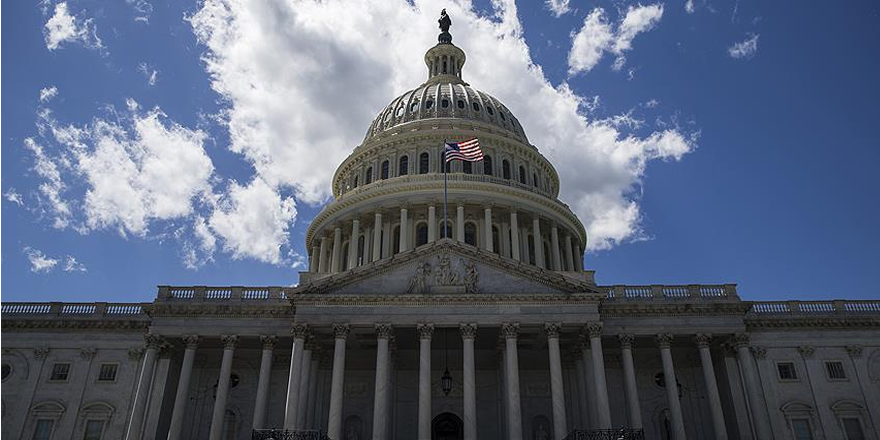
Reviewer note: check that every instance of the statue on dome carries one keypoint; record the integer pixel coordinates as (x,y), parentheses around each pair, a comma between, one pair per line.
(444,37)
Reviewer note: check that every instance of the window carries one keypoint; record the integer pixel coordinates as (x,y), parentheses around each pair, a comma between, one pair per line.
(107,373)
(400,111)
(403,168)
(470,234)
(834,370)
(800,428)
(369,176)
(94,429)
(423,163)
(429,103)
(505,169)
(487,165)
(489,109)
(355,181)
(395,237)
(43,429)
(360,250)
(7,370)
(385,167)
(422,234)
(852,428)
(502,116)
(467,167)
(60,372)
(445,103)
(476,106)
(522,175)
(414,106)
(535,180)
(460,103)
(786,371)
(496,242)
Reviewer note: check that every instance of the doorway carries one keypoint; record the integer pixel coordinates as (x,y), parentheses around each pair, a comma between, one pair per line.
(447,426)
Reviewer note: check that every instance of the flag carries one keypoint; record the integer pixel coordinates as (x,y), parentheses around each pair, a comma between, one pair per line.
(468,150)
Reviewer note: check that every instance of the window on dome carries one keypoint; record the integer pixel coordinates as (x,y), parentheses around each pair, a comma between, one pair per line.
(400,111)
(496,241)
(355,181)
(467,167)
(444,66)
(476,106)
(403,168)
(414,106)
(387,117)
(535,180)
(522,175)
(502,116)
(470,234)
(489,109)
(460,103)
(429,103)
(395,237)
(368,177)
(445,103)
(422,234)
(423,163)
(505,169)
(385,167)
(487,165)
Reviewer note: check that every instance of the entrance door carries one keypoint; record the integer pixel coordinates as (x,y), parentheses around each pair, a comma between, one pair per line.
(446,426)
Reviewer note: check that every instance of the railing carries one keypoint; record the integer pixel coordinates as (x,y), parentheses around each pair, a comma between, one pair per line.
(606,434)
(227,293)
(660,292)
(284,434)
(58,309)
(815,308)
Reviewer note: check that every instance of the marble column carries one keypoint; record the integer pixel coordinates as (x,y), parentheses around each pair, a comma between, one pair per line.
(387,241)
(753,386)
(459,223)
(603,409)
(263,381)
(554,247)
(337,381)
(425,332)
(302,396)
(313,263)
(404,229)
(560,425)
(191,342)
(539,243)
(336,261)
(569,254)
(468,334)
(377,238)
(229,343)
(368,246)
(629,381)
(582,390)
(704,341)
(380,396)
(322,255)
(432,224)
(510,331)
(353,244)
(664,340)
(589,382)
(299,333)
(487,228)
(505,238)
(309,422)
(514,236)
(138,410)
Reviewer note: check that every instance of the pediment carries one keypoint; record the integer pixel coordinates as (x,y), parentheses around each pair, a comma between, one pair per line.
(446,267)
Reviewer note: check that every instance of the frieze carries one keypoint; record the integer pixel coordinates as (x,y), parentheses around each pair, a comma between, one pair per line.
(818,322)
(100,323)
(213,310)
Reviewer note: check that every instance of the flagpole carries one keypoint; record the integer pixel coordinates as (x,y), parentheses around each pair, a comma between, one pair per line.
(445,218)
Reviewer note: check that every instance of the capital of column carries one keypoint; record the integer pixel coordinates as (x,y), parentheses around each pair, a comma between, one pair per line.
(806,351)
(153,341)
(594,329)
(761,352)
(341,331)
(703,340)
(41,353)
(229,341)
(425,331)
(664,340)
(88,353)
(468,331)
(384,331)
(510,330)
(552,329)
(583,342)
(190,342)
(626,340)
(741,340)
(854,351)
(133,353)
(268,341)
(299,331)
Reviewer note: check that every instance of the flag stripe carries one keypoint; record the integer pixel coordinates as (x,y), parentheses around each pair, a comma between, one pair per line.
(468,150)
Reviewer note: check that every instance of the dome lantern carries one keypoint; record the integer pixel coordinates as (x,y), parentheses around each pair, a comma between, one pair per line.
(444,60)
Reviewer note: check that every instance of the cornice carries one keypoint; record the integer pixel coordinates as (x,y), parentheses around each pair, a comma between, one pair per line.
(672,308)
(424,300)
(209,310)
(813,322)
(14,323)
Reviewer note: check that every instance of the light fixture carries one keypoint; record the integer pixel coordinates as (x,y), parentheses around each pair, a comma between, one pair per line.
(446,379)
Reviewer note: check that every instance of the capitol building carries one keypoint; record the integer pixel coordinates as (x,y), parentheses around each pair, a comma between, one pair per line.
(477,321)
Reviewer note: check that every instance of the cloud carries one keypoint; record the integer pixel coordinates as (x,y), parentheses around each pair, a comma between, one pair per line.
(64,28)
(302,82)
(744,49)
(13,196)
(689,6)
(558,7)
(596,36)
(51,187)
(152,75)
(71,265)
(40,263)
(142,8)
(48,93)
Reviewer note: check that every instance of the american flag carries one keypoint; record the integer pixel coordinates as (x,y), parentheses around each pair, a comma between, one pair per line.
(468,150)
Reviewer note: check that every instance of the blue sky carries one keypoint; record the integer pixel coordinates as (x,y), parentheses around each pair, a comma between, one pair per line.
(191,143)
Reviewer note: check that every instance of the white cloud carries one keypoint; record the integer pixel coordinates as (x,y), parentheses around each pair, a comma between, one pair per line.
(253,221)
(13,196)
(558,7)
(652,103)
(65,28)
(596,36)
(689,6)
(40,263)
(744,49)
(303,82)
(151,74)
(48,93)
(52,186)
(71,265)
(142,8)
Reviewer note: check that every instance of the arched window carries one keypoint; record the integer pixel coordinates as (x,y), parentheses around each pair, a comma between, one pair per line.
(395,238)
(487,165)
(470,234)
(522,175)
(531,250)
(548,260)
(467,167)
(423,163)
(496,240)
(444,103)
(476,106)
(355,181)
(460,103)
(535,180)
(505,169)
(344,256)
(385,167)
(403,168)
(422,234)
(360,251)
(368,179)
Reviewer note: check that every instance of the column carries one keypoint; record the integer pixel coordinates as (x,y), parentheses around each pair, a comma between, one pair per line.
(514,236)
(404,226)
(703,342)
(263,381)
(353,244)
(377,238)
(539,244)
(368,245)
(603,410)
(468,334)
(313,263)
(578,258)
(309,421)
(302,396)
(432,224)
(634,410)
(505,239)
(554,247)
(569,254)
(337,381)
(510,331)
(582,390)
(380,396)
(459,223)
(487,228)
(664,340)
(425,332)
(322,256)
(229,343)
(753,386)
(336,262)
(135,425)
(299,333)
(560,426)
(387,252)
(190,342)
(589,382)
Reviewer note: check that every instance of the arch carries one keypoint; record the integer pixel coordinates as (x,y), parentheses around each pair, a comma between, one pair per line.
(385,170)
(467,167)
(424,163)
(470,233)
(505,169)
(421,234)
(522,175)
(97,410)
(368,179)
(447,426)
(487,165)
(49,409)
(403,166)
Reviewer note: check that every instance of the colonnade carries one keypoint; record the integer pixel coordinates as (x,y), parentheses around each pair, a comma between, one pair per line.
(362,239)
(299,412)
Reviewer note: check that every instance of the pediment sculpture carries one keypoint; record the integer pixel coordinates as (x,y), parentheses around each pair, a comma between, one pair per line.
(446,278)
